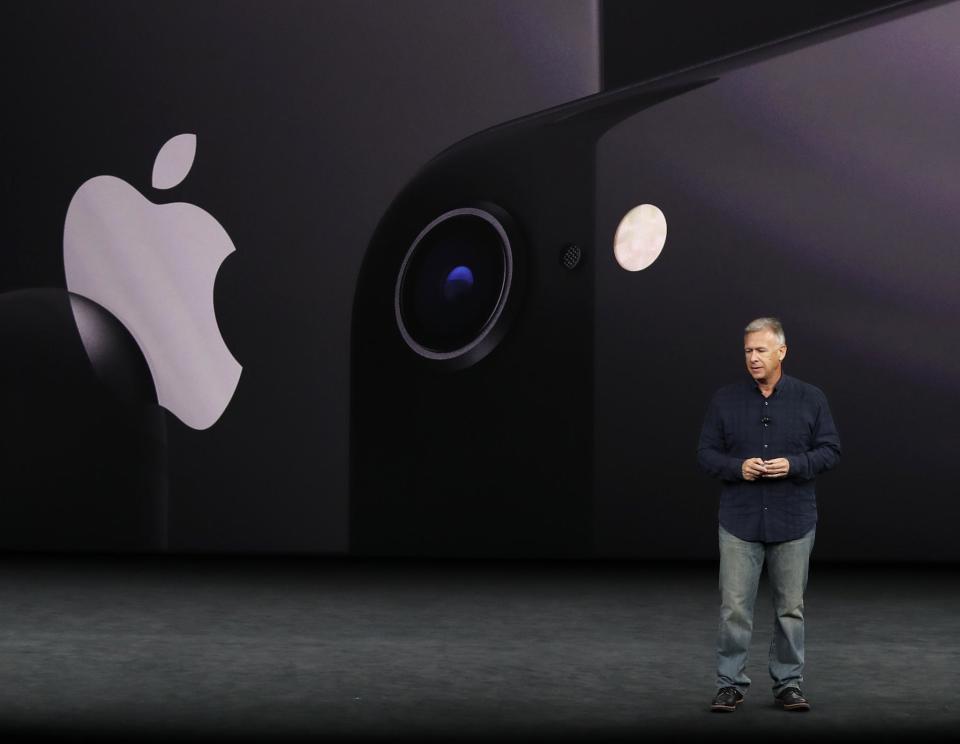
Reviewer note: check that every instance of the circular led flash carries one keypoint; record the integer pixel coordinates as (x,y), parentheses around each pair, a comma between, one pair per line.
(640,237)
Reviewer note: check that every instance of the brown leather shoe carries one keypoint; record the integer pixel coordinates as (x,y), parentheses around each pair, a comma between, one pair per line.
(727,700)
(791,699)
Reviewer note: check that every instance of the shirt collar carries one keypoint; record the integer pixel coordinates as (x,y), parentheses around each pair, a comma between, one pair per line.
(782,384)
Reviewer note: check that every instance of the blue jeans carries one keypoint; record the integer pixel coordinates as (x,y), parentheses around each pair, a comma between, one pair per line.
(740,565)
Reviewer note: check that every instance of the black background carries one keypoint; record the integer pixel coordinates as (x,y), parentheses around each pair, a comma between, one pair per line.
(642,40)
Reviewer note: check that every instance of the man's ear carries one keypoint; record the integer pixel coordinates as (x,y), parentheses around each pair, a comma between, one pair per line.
(782,352)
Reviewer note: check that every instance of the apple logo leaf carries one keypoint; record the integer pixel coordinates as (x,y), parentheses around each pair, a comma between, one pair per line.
(174,161)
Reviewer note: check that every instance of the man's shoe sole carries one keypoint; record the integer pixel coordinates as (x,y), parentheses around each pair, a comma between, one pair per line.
(796,706)
(725,708)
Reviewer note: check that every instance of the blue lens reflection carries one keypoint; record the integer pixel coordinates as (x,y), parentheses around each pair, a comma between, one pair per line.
(459,282)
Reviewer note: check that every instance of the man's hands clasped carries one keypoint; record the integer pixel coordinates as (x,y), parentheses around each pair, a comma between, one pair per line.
(757,467)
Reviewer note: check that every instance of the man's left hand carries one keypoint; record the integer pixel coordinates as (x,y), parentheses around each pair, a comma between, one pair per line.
(776,468)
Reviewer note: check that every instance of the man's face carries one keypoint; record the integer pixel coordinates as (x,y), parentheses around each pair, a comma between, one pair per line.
(763,354)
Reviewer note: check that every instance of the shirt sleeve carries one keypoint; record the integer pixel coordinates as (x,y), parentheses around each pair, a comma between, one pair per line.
(825,450)
(711,450)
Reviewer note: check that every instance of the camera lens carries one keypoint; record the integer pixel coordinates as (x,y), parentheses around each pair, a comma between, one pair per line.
(454,283)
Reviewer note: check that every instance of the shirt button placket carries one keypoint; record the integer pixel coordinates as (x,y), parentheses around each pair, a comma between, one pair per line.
(763,490)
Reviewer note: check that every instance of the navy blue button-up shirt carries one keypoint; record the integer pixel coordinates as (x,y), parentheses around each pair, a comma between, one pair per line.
(795,423)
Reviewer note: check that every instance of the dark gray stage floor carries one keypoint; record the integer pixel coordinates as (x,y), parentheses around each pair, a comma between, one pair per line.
(327,649)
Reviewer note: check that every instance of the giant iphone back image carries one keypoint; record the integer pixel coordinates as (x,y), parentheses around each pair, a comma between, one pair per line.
(191,193)
(546,309)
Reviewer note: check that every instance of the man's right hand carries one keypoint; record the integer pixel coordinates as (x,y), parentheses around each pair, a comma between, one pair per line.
(753,468)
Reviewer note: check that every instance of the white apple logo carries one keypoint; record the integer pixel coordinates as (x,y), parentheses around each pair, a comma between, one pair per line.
(154,266)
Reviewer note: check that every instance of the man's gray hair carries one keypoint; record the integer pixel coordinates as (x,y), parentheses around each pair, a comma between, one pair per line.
(761,324)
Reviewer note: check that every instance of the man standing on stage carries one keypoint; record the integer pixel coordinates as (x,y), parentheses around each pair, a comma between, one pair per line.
(766,440)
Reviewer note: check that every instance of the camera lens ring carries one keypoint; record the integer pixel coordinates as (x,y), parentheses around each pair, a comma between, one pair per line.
(486,337)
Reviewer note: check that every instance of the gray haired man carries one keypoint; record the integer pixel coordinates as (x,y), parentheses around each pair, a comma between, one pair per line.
(765,440)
